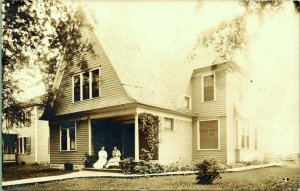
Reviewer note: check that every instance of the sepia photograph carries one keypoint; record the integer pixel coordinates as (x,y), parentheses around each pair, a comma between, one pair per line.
(150,95)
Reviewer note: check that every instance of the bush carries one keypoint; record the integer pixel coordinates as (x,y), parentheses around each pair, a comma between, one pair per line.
(89,160)
(129,166)
(207,171)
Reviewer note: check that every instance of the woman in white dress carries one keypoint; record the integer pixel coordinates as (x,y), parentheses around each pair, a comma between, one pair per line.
(102,154)
(114,161)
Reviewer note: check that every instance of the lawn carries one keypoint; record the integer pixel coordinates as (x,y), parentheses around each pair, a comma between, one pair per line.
(17,172)
(257,179)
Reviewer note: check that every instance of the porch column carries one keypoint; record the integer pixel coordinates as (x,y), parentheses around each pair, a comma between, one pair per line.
(136,137)
(90,136)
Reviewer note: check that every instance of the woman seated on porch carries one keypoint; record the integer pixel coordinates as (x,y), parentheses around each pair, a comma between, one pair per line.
(102,154)
(114,161)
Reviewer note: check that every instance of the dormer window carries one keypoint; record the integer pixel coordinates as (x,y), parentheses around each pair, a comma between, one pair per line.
(187,102)
(209,88)
(86,85)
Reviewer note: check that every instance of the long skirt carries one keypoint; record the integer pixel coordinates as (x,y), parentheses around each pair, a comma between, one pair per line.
(113,162)
(100,163)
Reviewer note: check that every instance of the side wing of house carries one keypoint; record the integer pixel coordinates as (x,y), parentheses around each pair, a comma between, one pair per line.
(209,102)
(246,135)
(93,87)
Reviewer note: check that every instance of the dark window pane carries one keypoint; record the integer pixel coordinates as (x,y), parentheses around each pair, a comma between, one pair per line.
(77,88)
(64,139)
(72,138)
(95,83)
(209,134)
(208,88)
(25,141)
(20,145)
(86,85)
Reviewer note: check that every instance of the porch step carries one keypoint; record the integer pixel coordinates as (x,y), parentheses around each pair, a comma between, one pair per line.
(113,170)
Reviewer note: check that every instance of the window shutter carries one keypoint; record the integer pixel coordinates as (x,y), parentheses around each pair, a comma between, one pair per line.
(28,145)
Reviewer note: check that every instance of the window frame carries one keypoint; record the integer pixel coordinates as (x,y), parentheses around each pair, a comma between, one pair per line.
(68,133)
(23,145)
(91,85)
(244,134)
(27,117)
(81,85)
(198,135)
(172,122)
(202,93)
(190,102)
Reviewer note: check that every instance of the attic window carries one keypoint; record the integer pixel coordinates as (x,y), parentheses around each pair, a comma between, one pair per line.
(86,85)
(187,102)
(76,87)
(95,83)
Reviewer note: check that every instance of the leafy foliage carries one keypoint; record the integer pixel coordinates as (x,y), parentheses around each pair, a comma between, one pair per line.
(129,166)
(148,124)
(229,39)
(39,33)
(207,171)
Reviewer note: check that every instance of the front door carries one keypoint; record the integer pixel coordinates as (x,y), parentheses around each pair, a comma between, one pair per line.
(128,140)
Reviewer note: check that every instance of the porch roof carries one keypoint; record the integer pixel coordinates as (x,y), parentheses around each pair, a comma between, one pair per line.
(113,111)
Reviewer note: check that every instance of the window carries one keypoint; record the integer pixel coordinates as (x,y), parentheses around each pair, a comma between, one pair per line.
(168,124)
(24,145)
(8,143)
(95,83)
(208,88)
(27,118)
(86,85)
(209,136)
(68,136)
(76,87)
(245,138)
(187,102)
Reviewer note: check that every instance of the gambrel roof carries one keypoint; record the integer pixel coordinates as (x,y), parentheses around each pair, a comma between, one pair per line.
(150,78)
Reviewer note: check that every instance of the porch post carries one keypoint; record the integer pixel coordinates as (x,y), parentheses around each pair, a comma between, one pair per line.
(90,136)
(136,137)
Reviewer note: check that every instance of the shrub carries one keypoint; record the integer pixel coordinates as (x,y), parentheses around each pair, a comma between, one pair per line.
(207,171)
(129,166)
(172,168)
(89,160)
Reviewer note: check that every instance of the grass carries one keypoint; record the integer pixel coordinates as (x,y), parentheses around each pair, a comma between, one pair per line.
(257,179)
(17,172)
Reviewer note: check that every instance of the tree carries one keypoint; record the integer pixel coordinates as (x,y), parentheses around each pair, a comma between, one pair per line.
(229,38)
(42,33)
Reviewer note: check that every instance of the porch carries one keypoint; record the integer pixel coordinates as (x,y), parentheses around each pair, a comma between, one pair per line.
(120,131)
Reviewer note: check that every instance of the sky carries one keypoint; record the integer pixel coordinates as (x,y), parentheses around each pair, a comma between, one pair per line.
(164,33)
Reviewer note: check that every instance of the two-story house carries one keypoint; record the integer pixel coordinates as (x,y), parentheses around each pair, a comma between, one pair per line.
(29,141)
(99,106)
